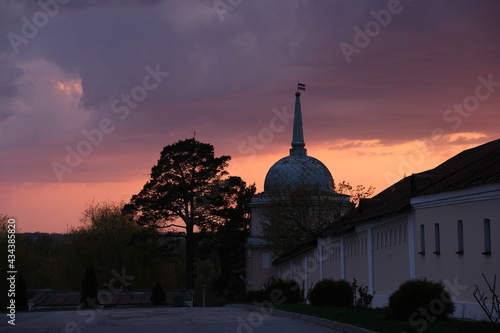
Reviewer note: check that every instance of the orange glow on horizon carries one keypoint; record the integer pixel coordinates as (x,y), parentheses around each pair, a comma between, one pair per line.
(57,207)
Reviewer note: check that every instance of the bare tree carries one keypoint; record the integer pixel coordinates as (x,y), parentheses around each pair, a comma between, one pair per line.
(294,215)
(356,193)
(493,310)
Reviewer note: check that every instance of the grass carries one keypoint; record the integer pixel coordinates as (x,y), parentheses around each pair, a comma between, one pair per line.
(376,320)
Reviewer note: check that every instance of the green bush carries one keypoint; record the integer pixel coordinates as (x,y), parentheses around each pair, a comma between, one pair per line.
(332,293)
(288,291)
(417,297)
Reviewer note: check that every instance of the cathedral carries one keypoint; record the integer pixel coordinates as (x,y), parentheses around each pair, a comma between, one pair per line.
(442,224)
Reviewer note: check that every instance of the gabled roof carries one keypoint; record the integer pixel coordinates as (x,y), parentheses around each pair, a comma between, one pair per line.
(472,167)
(296,251)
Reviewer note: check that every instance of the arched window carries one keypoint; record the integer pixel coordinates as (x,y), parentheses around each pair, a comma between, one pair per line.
(487,237)
(460,237)
(422,239)
(437,239)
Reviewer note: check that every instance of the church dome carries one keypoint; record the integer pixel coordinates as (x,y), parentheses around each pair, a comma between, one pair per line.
(298,170)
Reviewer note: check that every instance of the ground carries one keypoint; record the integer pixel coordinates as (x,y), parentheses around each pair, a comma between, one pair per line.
(152,320)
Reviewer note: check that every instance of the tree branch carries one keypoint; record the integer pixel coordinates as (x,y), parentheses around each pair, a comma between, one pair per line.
(173,225)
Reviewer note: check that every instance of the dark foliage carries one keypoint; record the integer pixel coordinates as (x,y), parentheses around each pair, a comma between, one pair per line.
(21,294)
(183,187)
(88,294)
(332,293)
(229,236)
(254,296)
(158,295)
(414,297)
(287,291)
(362,298)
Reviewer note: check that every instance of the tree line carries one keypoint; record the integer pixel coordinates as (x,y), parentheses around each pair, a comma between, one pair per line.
(185,229)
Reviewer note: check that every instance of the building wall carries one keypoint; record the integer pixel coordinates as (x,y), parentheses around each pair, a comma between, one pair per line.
(348,257)
(356,258)
(332,260)
(384,252)
(303,268)
(459,272)
(390,256)
(313,268)
(259,258)
(259,268)
(256,215)
(449,265)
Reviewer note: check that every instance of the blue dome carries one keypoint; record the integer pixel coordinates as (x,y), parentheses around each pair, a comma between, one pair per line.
(297,170)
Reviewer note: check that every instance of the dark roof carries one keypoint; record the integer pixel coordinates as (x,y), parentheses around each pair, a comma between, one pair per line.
(472,167)
(297,250)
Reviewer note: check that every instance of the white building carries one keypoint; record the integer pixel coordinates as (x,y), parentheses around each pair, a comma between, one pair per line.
(293,171)
(442,224)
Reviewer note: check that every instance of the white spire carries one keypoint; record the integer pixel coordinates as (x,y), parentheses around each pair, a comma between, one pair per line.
(298,143)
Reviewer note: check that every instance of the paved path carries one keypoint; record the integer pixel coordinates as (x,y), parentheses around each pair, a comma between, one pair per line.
(152,320)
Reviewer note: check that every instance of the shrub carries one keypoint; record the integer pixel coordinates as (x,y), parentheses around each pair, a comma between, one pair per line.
(88,293)
(362,298)
(158,295)
(415,297)
(290,291)
(332,293)
(21,294)
(253,296)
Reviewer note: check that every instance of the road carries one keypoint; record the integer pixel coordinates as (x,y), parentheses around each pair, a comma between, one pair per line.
(153,320)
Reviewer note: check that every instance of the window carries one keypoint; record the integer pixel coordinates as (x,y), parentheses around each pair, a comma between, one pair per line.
(460,237)
(422,239)
(487,237)
(266,260)
(437,239)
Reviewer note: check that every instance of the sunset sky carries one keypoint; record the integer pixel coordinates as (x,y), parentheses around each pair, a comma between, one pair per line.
(91,91)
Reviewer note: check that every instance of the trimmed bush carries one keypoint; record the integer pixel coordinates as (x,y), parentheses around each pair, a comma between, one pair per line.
(286,290)
(332,293)
(416,297)
(158,296)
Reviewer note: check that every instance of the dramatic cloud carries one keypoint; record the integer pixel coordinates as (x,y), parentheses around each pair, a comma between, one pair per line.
(90,91)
